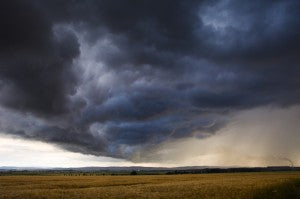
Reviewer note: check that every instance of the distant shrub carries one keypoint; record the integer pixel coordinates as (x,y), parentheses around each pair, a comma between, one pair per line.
(133,173)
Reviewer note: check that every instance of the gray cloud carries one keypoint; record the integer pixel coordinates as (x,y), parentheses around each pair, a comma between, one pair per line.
(262,136)
(114,77)
(36,63)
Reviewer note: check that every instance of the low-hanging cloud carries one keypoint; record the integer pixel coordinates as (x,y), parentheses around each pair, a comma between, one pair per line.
(263,136)
(114,78)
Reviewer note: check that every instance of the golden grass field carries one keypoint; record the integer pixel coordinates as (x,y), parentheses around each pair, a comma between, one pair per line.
(226,185)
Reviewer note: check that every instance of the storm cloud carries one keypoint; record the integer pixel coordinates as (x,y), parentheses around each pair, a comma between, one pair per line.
(114,78)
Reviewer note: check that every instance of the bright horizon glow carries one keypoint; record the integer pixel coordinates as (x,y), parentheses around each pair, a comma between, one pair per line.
(16,152)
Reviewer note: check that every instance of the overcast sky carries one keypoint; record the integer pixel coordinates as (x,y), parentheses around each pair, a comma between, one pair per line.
(143,82)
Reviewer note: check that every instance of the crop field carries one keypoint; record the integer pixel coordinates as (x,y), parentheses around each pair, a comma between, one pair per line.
(225,185)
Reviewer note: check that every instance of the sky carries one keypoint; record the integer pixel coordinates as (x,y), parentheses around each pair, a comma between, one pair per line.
(154,83)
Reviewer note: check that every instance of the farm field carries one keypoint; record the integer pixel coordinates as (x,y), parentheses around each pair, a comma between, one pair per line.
(225,185)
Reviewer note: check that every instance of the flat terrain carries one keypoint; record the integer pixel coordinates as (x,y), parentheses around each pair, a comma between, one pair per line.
(226,185)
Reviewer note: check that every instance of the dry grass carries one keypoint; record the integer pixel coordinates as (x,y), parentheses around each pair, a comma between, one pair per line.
(231,185)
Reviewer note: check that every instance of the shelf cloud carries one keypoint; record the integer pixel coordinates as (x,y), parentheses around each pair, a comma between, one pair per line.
(116,78)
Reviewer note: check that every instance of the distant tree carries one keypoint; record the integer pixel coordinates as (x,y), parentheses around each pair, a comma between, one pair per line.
(133,172)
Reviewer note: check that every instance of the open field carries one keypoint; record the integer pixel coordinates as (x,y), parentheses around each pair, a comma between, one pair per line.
(226,185)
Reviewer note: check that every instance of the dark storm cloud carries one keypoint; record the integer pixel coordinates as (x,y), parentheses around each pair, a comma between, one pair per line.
(148,71)
(36,63)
